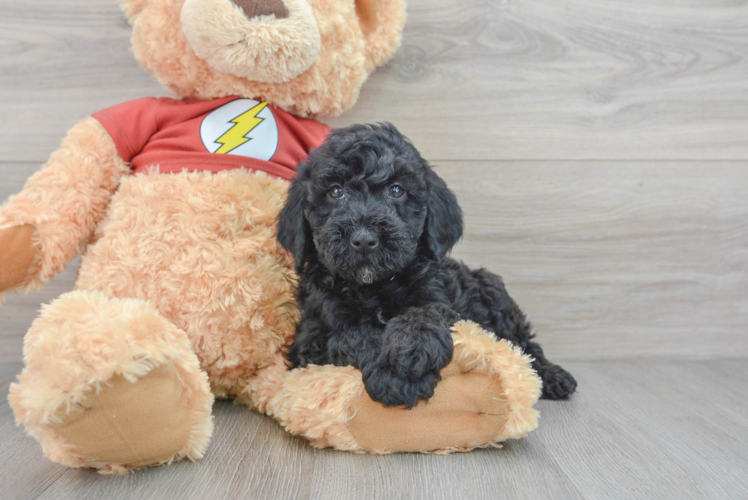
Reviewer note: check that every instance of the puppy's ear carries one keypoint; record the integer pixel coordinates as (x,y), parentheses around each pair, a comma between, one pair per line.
(294,233)
(443,227)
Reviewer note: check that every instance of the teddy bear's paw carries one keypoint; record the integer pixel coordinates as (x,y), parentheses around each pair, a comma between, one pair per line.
(467,410)
(111,384)
(486,396)
(18,255)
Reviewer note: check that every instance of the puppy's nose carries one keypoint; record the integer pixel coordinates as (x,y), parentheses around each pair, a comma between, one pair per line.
(257,8)
(364,241)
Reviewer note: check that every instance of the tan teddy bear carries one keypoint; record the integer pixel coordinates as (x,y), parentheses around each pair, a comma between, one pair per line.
(183,293)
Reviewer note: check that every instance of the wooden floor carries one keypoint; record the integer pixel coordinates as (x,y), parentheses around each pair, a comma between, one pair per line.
(600,153)
(636,430)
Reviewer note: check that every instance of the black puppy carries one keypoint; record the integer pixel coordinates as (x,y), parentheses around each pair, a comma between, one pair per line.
(369,224)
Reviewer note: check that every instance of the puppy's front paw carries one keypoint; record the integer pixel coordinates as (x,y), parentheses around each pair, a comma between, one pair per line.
(557,382)
(385,386)
(413,352)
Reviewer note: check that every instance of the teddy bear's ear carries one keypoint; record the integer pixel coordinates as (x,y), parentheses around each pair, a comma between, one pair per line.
(382,23)
(132,8)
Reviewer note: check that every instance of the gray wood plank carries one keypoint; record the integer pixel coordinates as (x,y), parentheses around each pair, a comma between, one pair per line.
(570,79)
(615,259)
(538,79)
(644,429)
(652,433)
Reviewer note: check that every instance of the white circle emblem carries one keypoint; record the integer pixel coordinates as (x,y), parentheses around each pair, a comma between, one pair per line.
(243,127)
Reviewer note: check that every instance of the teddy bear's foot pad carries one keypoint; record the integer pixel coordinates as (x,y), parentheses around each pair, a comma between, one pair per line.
(135,424)
(467,410)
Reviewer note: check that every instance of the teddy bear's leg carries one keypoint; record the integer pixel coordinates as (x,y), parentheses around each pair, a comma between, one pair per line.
(111,384)
(486,396)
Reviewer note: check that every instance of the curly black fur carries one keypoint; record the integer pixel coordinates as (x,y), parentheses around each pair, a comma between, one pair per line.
(369,224)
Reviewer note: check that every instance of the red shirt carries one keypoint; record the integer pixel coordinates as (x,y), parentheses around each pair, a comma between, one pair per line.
(221,134)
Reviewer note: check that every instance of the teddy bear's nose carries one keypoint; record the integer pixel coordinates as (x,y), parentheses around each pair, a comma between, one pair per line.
(257,8)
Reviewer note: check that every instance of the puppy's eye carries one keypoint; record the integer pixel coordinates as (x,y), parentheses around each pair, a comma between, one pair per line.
(395,191)
(336,192)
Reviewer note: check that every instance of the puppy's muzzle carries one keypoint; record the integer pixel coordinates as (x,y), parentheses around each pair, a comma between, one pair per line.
(364,241)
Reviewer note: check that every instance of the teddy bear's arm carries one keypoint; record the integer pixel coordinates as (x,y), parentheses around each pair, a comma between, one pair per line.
(486,396)
(45,225)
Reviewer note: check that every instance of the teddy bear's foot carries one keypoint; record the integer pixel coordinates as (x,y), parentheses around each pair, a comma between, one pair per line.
(486,396)
(111,384)
(130,425)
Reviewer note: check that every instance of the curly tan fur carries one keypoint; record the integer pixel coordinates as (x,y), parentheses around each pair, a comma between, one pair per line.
(313,402)
(201,247)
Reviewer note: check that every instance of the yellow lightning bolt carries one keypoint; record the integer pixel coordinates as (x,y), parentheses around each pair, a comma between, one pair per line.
(237,135)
